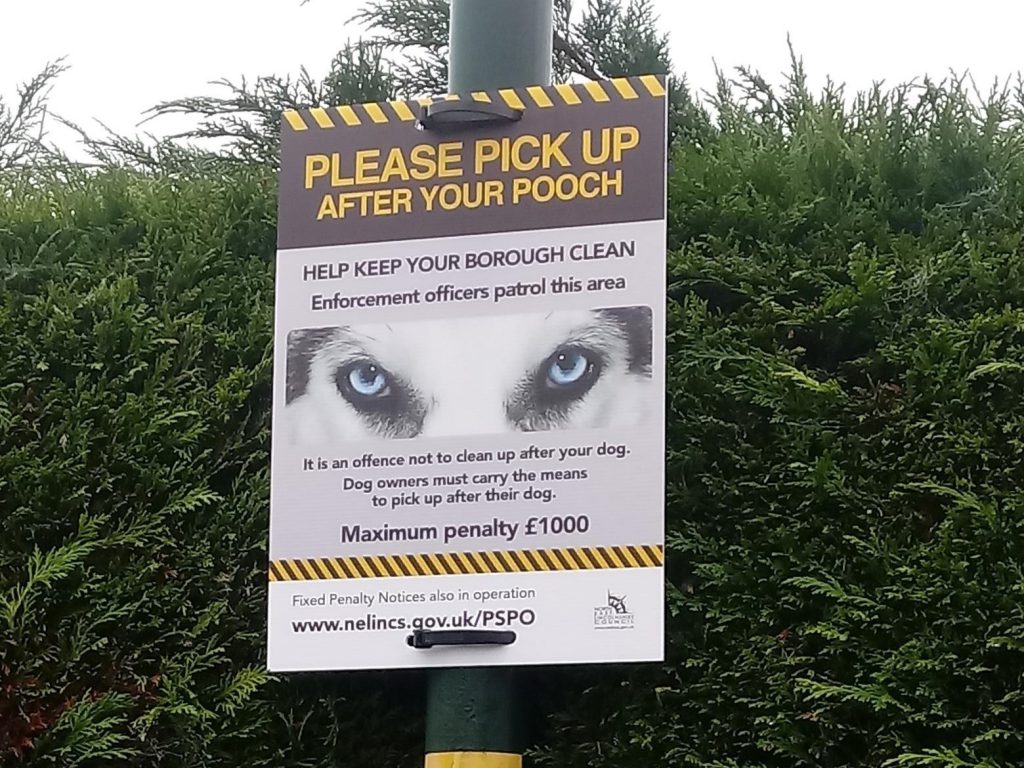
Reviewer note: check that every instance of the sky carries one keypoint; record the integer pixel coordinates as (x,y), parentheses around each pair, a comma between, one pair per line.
(127,55)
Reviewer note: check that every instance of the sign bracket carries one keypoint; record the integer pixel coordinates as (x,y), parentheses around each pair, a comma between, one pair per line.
(454,114)
(428,638)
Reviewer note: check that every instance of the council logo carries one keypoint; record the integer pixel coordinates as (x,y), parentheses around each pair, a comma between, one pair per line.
(614,614)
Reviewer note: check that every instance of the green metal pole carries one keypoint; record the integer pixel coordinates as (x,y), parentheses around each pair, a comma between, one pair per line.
(474,714)
(474,718)
(499,44)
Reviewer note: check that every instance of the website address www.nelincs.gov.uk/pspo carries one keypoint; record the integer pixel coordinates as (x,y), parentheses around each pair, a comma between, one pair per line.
(371,622)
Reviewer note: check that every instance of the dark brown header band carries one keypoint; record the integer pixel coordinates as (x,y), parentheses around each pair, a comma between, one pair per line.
(582,154)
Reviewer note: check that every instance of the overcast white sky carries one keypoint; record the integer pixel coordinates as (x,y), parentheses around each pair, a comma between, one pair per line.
(126,55)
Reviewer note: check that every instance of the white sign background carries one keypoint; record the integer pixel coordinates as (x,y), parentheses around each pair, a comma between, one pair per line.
(346,623)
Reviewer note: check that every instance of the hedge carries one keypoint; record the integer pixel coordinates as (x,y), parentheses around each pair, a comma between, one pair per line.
(845,468)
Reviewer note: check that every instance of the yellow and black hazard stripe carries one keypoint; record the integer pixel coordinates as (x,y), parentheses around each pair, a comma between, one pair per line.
(453,563)
(541,96)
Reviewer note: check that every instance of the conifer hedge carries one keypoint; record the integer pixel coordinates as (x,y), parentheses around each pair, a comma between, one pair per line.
(845,466)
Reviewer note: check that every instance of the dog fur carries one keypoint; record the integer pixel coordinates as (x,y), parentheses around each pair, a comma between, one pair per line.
(465,376)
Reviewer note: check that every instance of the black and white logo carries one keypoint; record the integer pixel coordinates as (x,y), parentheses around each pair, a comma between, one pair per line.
(613,615)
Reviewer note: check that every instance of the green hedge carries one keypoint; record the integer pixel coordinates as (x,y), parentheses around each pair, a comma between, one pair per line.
(845,468)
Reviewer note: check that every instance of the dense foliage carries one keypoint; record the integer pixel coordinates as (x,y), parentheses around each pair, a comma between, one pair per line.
(846,446)
(845,468)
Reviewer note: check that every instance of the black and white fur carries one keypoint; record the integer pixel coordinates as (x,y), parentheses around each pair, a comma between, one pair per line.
(479,375)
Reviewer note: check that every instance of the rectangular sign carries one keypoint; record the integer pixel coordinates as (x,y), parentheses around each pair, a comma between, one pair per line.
(468,426)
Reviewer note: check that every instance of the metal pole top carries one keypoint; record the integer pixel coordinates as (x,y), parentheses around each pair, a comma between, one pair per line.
(499,44)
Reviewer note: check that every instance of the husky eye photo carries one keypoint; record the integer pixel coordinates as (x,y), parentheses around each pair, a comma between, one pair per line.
(474,375)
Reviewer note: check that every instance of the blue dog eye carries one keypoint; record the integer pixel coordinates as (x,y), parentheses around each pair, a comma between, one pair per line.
(568,367)
(367,380)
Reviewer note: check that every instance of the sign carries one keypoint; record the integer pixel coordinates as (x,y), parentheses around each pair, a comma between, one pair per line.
(468,426)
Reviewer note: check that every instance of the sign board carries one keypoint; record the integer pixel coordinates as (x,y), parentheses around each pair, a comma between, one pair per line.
(468,426)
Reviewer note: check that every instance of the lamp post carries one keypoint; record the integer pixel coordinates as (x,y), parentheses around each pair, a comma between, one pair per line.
(474,714)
